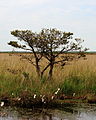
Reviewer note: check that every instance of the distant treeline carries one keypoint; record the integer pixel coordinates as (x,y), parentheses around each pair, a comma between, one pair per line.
(89,52)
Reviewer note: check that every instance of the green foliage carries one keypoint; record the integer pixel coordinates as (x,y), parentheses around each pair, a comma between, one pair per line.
(43,79)
(73,84)
(12,84)
(14,44)
(26,75)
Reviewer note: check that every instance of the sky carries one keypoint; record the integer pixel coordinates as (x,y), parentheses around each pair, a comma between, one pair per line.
(77,16)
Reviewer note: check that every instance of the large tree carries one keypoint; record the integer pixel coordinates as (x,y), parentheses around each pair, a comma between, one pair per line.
(50,44)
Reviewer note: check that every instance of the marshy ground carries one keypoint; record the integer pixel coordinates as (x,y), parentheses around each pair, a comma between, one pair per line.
(20,85)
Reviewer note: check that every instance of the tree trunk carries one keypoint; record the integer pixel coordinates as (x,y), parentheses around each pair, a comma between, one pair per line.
(44,70)
(51,71)
(38,68)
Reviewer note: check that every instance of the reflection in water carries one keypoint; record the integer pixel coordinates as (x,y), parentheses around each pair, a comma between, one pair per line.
(80,112)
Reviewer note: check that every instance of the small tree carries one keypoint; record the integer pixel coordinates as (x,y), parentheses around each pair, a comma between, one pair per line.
(50,44)
(55,43)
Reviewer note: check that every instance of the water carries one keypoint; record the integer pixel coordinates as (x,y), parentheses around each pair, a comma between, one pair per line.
(75,112)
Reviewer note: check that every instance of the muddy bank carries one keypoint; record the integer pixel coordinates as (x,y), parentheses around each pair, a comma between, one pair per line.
(28,101)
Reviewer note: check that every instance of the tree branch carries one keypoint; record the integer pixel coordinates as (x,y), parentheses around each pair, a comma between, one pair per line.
(45,69)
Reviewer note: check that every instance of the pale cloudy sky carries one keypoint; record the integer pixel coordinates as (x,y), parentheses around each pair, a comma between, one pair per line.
(77,16)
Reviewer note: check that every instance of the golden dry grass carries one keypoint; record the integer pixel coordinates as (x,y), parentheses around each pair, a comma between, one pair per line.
(77,67)
(11,67)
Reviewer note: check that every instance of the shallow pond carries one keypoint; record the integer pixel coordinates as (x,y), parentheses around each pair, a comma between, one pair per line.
(74,112)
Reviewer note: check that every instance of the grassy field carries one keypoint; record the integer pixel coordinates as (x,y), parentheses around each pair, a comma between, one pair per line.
(77,77)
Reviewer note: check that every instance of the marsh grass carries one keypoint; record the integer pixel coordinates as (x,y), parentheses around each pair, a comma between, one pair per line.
(77,77)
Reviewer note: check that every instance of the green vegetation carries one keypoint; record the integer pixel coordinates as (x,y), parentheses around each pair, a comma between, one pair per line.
(14,84)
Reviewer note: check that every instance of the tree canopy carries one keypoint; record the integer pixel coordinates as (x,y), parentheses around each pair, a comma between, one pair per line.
(50,44)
